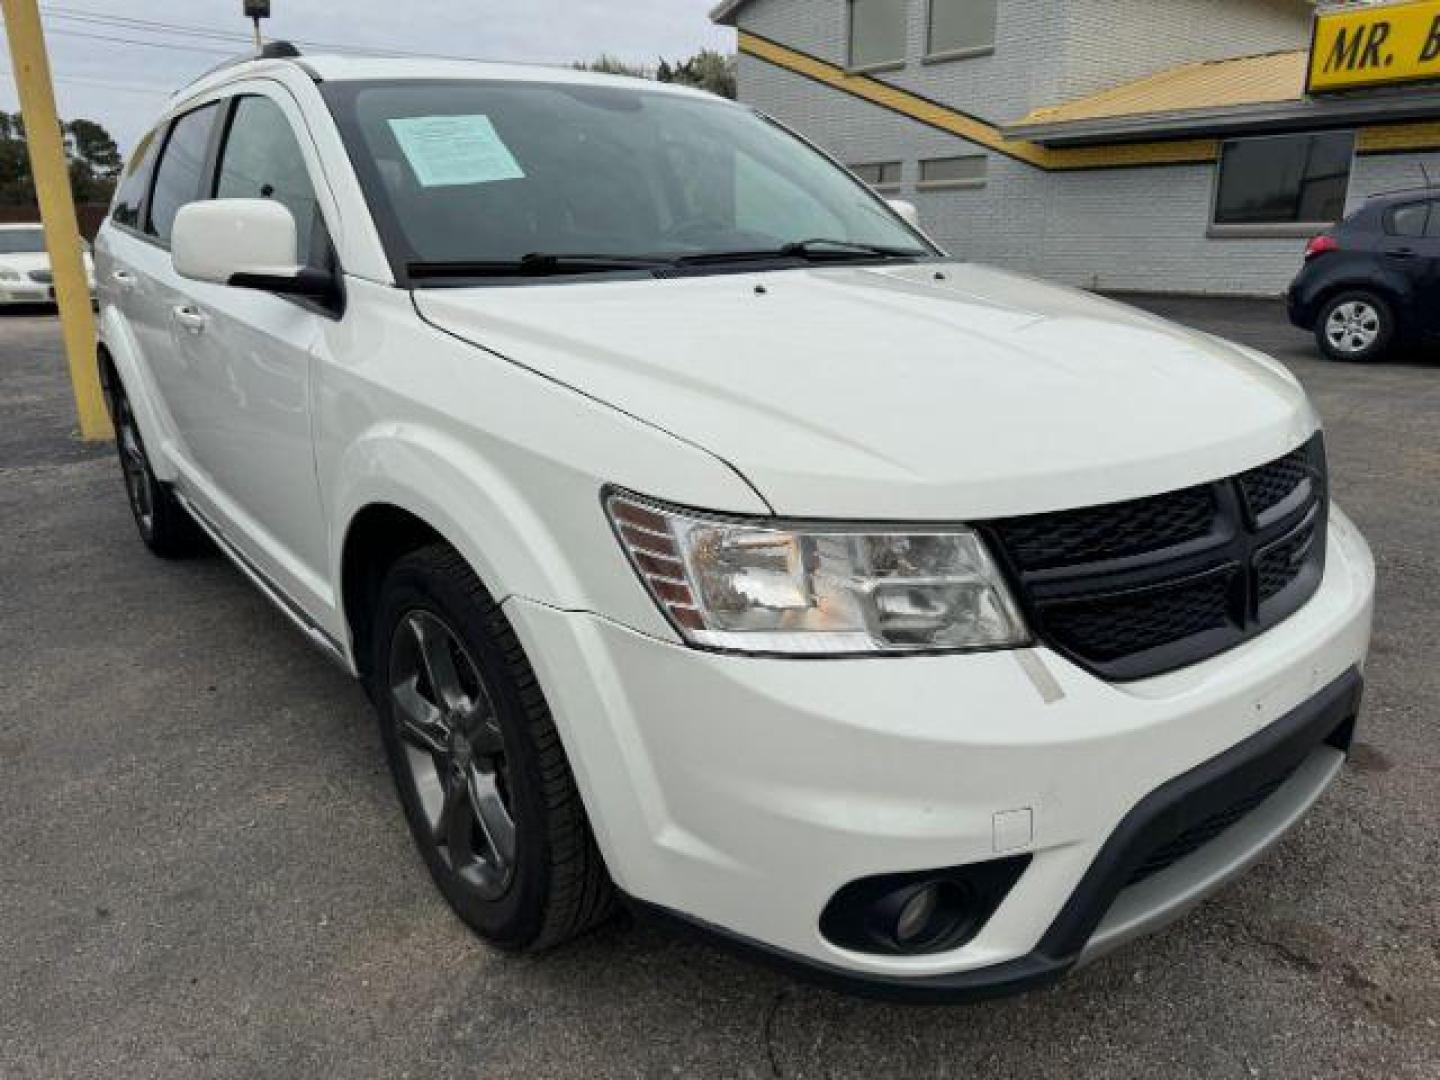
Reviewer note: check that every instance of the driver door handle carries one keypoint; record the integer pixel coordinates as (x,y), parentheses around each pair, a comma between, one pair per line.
(191,318)
(1400,252)
(123,278)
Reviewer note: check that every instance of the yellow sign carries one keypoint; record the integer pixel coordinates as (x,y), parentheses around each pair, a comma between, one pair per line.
(1375,45)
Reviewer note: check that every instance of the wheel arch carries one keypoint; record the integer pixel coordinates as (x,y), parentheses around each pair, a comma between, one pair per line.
(1394,296)
(118,358)
(378,535)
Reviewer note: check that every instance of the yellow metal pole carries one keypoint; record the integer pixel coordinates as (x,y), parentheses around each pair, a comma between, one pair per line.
(57,210)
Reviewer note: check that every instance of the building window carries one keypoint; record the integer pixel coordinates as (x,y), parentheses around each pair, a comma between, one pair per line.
(960,27)
(877,32)
(883,176)
(1284,179)
(954,172)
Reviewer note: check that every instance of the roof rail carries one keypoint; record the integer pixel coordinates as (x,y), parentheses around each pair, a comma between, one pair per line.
(271,50)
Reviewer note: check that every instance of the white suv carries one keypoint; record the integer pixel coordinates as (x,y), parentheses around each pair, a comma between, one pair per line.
(707,538)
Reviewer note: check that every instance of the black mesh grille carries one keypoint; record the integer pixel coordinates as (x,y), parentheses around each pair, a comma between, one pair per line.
(1282,562)
(1202,832)
(45,277)
(1136,588)
(1111,627)
(1116,531)
(1270,485)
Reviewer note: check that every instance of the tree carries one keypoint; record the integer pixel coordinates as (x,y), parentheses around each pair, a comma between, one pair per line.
(16,187)
(92,144)
(706,70)
(94,161)
(613,65)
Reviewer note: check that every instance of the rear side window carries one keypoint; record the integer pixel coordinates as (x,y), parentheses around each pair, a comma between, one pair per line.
(179,176)
(131,195)
(1412,219)
(262,160)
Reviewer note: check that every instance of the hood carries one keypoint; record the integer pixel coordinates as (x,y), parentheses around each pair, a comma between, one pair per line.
(889,393)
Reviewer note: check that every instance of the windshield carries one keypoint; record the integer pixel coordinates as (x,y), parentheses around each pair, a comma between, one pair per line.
(21,241)
(487,173)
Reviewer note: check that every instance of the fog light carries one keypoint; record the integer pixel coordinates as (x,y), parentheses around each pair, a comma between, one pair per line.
(917,914)
(921,912)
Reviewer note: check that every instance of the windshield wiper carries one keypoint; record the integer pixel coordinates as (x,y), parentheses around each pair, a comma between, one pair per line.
(817,250)
(544,263)
(823,247)
(535,264)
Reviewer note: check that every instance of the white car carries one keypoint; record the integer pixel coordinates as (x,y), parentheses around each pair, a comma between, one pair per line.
(708,539)
(25,275)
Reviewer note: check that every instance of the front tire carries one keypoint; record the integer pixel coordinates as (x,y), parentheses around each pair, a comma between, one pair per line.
(482,777)
(1355,326)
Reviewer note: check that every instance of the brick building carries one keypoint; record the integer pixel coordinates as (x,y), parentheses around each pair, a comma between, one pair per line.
(1115,144)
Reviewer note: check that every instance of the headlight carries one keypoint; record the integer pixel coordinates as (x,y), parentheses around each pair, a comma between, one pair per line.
(9,275)
(759,586)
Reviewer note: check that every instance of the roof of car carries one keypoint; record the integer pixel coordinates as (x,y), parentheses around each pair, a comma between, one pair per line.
(1381,198)
(330,67)
(13,225)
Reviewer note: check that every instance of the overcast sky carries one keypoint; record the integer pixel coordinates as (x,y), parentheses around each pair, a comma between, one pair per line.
(123,83)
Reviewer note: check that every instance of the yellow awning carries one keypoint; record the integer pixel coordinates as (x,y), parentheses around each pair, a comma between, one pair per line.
(1271,78)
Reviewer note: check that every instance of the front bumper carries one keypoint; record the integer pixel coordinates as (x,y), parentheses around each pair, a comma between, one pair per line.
(741,793)
(22,292)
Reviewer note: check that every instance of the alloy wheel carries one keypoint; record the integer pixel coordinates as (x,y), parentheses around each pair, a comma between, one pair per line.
(1353,327)
(455,752)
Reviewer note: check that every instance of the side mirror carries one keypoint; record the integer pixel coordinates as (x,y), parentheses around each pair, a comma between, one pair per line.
(247,243)
(906,209)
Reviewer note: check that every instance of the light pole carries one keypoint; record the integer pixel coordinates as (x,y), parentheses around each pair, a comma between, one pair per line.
(46,147)
(257,10)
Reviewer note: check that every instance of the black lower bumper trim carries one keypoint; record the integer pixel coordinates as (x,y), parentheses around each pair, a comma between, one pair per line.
(1328,718)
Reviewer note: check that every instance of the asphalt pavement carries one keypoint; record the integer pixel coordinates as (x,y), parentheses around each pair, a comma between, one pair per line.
(204,871)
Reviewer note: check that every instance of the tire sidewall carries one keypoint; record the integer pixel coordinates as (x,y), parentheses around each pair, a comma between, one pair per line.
(515,918)
(1382,340)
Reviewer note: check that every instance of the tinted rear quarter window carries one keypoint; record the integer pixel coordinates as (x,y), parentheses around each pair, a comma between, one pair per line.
(180,174)
(131,195)
(1409,219)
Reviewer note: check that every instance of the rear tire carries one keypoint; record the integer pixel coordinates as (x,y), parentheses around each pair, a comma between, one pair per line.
(482,777)
(1356,325)
(164,525)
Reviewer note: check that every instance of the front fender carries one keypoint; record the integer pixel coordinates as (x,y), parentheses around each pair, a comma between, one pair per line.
(462,496)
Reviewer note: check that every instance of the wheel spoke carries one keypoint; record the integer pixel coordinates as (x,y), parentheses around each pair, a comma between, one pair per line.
(419,722)
(434,645)
(490,811)
(456,824)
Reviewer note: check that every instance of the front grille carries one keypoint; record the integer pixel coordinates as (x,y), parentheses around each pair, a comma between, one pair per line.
(44,277)
(1110,532)
(1270,485)
(1137,588)
(1112,627)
